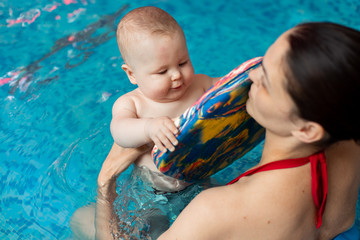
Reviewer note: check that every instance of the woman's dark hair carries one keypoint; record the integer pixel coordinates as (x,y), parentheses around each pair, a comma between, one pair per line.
(323,72)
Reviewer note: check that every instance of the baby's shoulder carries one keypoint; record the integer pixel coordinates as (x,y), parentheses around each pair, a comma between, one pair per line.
(128,100)
(133,96)
(205,81)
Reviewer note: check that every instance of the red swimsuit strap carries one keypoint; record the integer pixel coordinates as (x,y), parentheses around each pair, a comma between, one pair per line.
(319,186)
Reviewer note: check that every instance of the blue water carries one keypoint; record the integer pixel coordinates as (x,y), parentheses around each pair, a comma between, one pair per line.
(60,74)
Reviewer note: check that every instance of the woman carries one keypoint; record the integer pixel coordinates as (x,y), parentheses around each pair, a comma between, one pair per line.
(305,94)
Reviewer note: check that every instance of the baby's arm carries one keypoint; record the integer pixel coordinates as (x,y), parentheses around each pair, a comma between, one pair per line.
(128,130)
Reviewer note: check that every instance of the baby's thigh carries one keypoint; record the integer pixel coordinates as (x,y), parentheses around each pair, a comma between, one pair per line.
(82,223)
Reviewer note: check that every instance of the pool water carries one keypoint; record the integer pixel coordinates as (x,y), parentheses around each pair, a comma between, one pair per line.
(60,75)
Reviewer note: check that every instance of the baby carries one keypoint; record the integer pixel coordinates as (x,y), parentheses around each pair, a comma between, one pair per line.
(153,47)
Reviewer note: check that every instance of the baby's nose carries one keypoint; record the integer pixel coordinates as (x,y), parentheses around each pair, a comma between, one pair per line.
(175,75)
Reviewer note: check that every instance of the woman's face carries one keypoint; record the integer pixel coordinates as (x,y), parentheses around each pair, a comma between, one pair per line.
(269,103)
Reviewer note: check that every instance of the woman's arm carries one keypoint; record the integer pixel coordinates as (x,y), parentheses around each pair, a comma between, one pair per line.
(117,161)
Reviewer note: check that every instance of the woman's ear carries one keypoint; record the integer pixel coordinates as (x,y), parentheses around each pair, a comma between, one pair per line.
(129,73)
(309,132)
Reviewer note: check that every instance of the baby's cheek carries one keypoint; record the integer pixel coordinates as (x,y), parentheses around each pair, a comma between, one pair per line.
(162,91)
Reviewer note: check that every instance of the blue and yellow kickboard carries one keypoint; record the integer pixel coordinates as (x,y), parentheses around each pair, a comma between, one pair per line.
(215,131)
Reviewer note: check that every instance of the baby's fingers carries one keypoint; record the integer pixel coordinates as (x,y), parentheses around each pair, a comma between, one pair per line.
(164,138)
(172,140)
(159,145)
(171,126)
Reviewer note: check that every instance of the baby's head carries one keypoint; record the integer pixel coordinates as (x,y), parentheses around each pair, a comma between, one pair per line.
(142,23)
(153,47)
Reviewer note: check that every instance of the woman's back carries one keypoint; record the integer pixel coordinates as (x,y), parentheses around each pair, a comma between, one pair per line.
(343,163)
(279,202)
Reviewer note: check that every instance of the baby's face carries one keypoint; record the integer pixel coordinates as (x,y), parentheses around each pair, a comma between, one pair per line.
(161,66)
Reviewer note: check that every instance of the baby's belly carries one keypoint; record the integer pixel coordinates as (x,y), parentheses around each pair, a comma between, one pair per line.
(158,180)
(146,160)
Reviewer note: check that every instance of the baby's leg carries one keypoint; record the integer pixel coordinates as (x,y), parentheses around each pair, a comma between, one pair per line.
(82,223)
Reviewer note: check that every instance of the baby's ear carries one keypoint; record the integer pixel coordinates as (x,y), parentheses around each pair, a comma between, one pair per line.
(129,73)
(309,132)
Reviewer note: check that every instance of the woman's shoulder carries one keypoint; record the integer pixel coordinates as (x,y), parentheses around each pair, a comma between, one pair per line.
(268,201)
(237,211)
(204,218)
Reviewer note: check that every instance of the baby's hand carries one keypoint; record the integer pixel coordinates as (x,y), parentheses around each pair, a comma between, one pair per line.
(162,131)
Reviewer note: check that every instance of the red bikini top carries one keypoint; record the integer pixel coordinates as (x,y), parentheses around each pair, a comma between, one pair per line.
(319,183)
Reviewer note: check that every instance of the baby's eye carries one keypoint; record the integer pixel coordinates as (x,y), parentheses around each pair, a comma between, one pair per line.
(162,71)
(183,63)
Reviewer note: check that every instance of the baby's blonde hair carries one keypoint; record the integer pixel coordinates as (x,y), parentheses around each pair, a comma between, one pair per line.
(144,20)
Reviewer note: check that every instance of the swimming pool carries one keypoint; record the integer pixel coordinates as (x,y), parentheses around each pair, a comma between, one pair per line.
(60,74)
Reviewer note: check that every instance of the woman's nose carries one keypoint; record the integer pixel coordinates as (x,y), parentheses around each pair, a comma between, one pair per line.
(253,76)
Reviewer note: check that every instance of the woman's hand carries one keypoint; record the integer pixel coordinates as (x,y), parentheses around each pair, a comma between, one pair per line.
(117,161)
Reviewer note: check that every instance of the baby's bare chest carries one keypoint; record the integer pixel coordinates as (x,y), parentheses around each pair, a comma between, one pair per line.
(152,109)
